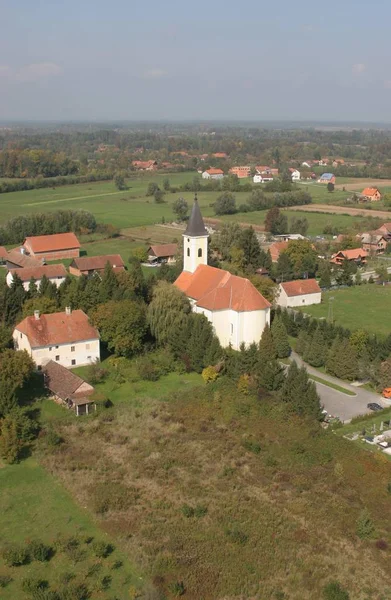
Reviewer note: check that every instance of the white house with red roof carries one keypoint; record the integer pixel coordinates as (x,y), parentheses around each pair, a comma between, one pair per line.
(301,292)
(213,174)
(67,338)
(235,308)
(54,273)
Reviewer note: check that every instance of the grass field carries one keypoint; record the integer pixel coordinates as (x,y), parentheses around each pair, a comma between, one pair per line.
(34,506)
(358,307)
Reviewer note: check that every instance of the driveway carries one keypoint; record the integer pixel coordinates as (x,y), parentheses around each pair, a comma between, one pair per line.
(336,403)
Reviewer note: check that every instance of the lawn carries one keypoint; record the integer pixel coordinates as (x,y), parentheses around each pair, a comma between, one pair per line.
(35,506)
(358,307)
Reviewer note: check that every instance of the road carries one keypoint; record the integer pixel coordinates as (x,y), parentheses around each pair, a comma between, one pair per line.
(336,403)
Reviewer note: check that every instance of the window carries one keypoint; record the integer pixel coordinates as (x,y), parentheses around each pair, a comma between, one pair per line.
(303,301)
(72,348)
(87,346)
(50,348)
(73,362)
(232,328)
(199,252)
(39,368)
(56,347)
(21,335)
(188,252)
(58,357)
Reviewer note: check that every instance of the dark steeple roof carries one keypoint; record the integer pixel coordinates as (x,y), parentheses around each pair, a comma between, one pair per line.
(195,226)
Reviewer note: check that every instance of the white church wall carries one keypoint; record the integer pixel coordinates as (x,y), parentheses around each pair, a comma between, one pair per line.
(195,252)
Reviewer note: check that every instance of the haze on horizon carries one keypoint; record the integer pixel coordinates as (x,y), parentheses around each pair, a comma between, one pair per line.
(210,60)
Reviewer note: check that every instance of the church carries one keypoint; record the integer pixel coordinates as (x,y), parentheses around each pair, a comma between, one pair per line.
(235,308)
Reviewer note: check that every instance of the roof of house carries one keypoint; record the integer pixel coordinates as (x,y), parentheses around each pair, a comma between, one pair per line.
(353,253)
(370,191)
(162,250)
(215,172)
(372,237)
(327,176)
(216,289)
(195,225)
(300,287)
(220,155)
(3,252)
(144,164)
(51,271)
(52,243)
(92,263)
(386,226)
(57,328)
(17,258)
(277,248)
(63,383)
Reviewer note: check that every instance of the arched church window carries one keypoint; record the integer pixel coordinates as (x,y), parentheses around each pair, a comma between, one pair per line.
(188,252)
(199,252)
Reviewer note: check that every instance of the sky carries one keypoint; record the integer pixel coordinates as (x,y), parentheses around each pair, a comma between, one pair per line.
(177,60)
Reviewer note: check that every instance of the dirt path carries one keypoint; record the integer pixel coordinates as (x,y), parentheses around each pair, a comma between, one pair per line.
(90,197)
(343,210)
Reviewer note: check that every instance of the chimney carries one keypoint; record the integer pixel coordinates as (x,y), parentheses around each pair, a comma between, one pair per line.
(36,315)
(68,310)
(22,250)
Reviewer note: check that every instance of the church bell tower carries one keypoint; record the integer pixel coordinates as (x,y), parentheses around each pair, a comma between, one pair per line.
(195,241)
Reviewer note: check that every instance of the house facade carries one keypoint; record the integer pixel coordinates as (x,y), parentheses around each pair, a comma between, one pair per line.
(295,174)
(371,194)
(234,307)
(357,255)
(88,265)
(65,337)
(374,243)
(213,174)
(68,389)
(54,273)
(301,292)
(145,165)
(262,177)
(163,253)
(52,247)
(240,172)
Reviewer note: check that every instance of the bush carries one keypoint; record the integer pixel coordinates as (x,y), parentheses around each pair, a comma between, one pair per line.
(40,552)
(52,438)
(187,511)
(334,591)
(4,580)
(96,373)
(75,592)
(365,526)
(178,588)
(16,556)
(102,549)
(147,370)
(237,536)
(209,374)
(33,584)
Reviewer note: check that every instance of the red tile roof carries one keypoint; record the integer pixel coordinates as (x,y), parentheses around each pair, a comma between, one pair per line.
(276,249)
(92,263)
(3,252)
(220,155)
(215,172)
(63,383)
(352,254)
(15,257)
(52,243)
(57,328)
(162,250)
(216,289)
(370,191)
(51,271)
(300,287)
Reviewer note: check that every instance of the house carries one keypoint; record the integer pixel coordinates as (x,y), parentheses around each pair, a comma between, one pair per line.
(88,265)
(299,292)
(374,243)
(145,165)
(54,273)
(213,174)
(65,337)
(262,169)
(234,307)
(371,194)
(295,174)
(276,249)
(18,259)
(68,389)
(220,155)
(3,256)
(307,163)
(163,253)
(323,162)
(358,255)
(241,172)
(327,178)
(286,237)
(53,247)
(338,162)
(385,230)
(262,178)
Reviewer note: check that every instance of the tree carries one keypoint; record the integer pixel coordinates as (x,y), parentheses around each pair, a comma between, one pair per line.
(15,295)
(344,275)
(280,338)
(167,309)
(248,242)
(33,289)
(298,225)
(384,374)
(330,187)
(43,304)
(180,208)
(225,204)
(276,222)
(122,325)
(316,351)
(303,257)
(284,267)
(159,196)
(342,359)
(201,337)
(166,184)
(227,237)
(324,273)
(267,348)
(119,181)
(108,284)
(359,340)
(266,286)
(10,445)
(152,188)
(300,393)
(140,253)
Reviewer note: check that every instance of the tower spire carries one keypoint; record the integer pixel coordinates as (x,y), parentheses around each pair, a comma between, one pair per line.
(195,225)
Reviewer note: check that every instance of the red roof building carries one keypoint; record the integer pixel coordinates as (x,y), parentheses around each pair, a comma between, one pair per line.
(88,265)
(53,247)
(358,255)
(276,249)
(145,165)
(299,292)
(241,172)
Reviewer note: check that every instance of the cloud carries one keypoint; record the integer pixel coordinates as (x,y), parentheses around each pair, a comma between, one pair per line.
(358,68)
(30,73)
(154,74)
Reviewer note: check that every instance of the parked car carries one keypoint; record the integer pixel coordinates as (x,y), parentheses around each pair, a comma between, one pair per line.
(374,406)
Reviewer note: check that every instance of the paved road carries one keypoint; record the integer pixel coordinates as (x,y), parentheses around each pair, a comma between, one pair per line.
(336,403)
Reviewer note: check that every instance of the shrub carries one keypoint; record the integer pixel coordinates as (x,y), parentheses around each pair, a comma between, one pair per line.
(252,446)
(334,591)
(117,564)
(102,549)
(96,373)
(4,580)
(33,584)
(147,370)
(243,384)
(381,545)
(178,588)
(40,551)
(16,556)
(75,592)
(112,496)
(52,438)
(389,487)
(364,526)
(65,578)
(209,374)
(200,511)
(187,511)
(237,536)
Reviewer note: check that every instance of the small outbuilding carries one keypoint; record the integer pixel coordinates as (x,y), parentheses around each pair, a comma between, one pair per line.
(163,253)
(88,265)
(301,292)
(68,389)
